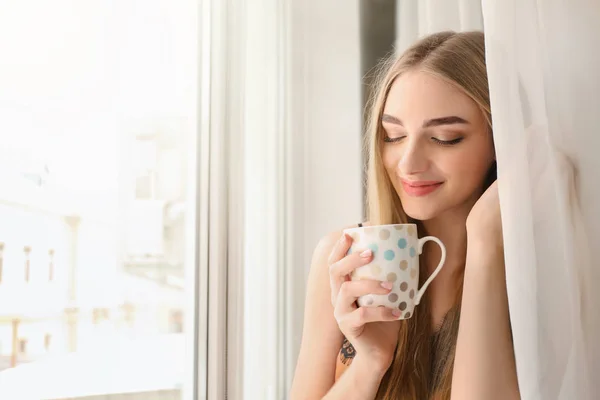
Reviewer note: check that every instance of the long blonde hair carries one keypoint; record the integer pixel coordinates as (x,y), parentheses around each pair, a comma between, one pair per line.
(459,59)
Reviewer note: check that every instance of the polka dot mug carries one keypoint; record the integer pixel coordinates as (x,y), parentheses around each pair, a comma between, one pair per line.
(396,249)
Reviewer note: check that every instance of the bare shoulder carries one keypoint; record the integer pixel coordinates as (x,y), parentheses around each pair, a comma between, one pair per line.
(327,242)
(325,246)
(319,269)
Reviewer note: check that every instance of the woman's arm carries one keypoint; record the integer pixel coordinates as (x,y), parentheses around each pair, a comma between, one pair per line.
(360,382)
(321,337)
(484,366)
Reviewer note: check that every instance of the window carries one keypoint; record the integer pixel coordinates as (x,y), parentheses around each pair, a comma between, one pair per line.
(50,265)
(96,174)
(99,315)
(176,321)
(27,252)
(22,346)
(145,164)
(1,261)
(47,341)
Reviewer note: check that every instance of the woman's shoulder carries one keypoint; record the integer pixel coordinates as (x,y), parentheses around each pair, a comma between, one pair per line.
(328,241)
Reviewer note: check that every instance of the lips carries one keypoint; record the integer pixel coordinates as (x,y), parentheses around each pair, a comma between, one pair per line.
(420,188)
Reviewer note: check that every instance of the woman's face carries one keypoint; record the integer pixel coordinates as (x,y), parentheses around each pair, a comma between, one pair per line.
(437,149)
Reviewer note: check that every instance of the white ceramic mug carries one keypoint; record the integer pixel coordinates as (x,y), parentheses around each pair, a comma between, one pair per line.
(396,249)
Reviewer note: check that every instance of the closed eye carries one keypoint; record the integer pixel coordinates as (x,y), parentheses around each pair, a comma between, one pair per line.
(388,139)
(447,142)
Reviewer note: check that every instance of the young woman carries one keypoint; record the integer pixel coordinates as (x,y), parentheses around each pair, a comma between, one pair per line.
(431,162)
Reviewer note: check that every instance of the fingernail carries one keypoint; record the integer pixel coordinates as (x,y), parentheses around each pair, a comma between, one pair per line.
(396,313)
(386,285)
(366,253)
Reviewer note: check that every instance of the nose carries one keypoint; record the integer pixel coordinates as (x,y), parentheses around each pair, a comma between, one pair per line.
(414,159)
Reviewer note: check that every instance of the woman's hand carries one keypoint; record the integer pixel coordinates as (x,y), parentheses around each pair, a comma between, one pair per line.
(484,224)
(372,331)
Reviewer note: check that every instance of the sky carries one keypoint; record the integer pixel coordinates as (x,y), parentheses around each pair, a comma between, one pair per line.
(77,79)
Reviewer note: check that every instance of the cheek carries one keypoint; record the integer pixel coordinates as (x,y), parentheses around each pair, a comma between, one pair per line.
(390,161)
(468,170)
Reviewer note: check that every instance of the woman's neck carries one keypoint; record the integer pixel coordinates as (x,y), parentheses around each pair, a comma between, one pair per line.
(445,288)
(451,230)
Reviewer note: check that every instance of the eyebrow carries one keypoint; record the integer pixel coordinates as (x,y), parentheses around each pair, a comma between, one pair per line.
(450,120)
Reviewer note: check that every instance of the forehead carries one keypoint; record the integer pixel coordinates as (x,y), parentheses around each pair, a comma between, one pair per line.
(416,96)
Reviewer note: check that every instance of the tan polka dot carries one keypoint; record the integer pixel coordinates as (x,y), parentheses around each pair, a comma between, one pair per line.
(392,277)
(375,269)
(403,286)
(384,234)
(370,231)
(407,315)
(413,273)
(393,297)
(403,265)
(411,294)
(399,227)
(410,230)
(355,237)
(368,300)
(402,306)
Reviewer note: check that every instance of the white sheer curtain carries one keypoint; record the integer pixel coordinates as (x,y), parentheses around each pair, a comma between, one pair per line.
(280,166)
(544,72)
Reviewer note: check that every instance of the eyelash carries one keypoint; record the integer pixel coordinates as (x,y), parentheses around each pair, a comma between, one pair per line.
(447,142)
(438,141)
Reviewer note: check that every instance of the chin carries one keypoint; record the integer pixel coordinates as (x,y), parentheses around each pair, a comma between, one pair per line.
(423,209)
(422,213)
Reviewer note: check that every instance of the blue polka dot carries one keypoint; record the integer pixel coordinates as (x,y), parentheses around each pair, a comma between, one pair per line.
(374,248)
(412,252)
(402,243)
(389,255)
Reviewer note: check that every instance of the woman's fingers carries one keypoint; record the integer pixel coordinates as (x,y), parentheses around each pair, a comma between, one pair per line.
(349,263)
(350,291)
(363,315)
(340,249)
(339,270)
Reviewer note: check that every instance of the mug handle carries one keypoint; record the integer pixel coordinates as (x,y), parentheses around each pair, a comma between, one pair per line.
(437,269)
